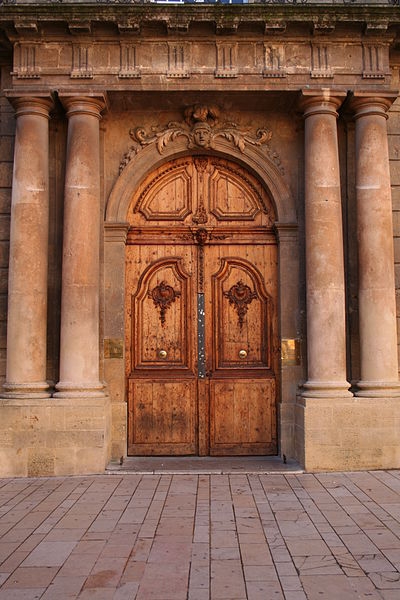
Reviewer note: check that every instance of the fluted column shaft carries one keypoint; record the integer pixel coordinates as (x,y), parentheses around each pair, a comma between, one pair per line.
(326,339)
(79,339)
(377,303)
(27,284)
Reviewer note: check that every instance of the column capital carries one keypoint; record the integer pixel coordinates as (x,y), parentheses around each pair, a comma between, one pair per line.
(82,104)
(363,104)
(31,105)
(315,102)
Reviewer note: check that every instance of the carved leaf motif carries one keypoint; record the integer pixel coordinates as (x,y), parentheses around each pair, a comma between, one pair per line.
(163,295)
(240,295)
(200,218)
(200,130)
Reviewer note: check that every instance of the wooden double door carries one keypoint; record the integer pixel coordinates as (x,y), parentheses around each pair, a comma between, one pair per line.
(201,313)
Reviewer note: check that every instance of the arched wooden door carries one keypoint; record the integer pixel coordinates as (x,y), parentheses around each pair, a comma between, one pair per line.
(201,312)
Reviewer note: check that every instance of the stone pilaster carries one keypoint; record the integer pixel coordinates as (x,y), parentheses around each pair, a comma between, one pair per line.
(291,370)
(27,285)
(326,338)
(376,288)
(115,235)
(79,344)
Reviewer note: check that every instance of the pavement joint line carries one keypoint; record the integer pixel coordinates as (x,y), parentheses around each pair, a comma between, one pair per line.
(246,532)
(202,472)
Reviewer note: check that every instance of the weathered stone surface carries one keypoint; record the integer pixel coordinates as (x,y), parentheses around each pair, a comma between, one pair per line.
(325,428)
(134,67)
(54,438)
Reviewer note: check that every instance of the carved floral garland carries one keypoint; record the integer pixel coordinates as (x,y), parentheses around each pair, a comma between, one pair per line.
(200,129)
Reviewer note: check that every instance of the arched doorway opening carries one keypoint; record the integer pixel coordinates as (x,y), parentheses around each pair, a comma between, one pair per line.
(201,312)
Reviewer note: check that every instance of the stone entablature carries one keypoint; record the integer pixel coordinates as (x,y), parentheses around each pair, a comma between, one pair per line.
(154,47)
(343,61)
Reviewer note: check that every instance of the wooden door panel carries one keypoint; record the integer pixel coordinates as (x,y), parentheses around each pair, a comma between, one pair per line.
(242,284)
(201,312)
(241,315)
(242,417)
(161,309)
(163,417)
(161,326)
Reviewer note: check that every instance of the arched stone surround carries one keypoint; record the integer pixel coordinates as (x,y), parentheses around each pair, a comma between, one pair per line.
(119,201)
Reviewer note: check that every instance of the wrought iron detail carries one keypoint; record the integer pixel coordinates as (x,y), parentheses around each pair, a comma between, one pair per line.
(163,295)
(240,295)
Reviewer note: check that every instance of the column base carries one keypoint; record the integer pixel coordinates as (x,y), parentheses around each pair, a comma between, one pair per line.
(38,389)
(326,389)
(66,389)
(347,434)
(69,436)
(378,389)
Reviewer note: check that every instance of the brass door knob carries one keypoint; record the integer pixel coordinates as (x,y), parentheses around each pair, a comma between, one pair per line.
(242,353)
(162,354)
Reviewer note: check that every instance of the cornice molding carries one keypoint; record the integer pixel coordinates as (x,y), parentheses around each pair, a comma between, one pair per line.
(25,18)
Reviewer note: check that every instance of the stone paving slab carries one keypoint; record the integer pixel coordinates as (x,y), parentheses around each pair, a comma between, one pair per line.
(197,536)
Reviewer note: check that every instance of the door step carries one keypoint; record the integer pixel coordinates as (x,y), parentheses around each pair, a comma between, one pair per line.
(204,465)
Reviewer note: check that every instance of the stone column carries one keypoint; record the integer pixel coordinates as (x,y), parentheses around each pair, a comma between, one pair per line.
(79,343)
(27,285)
(377,303)
(326,339)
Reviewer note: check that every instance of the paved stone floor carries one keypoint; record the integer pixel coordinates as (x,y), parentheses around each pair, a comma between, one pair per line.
(201,536)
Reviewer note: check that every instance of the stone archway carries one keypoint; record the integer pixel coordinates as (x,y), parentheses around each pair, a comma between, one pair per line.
(145,159)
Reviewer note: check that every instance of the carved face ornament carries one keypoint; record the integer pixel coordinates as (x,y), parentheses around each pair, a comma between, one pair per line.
(202,135)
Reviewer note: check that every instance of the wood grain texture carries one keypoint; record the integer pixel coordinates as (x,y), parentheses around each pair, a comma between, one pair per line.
(221,244)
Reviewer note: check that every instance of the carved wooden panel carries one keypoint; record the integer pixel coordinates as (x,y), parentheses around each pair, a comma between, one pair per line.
(161,309)
(242,312)
(202,190)
(232,198)
(168,196)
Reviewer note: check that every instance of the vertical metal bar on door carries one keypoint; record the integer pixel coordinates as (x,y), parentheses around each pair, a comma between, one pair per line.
(201,353)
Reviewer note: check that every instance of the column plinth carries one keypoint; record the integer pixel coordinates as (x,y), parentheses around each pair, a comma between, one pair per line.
(377,302)
(27,284)
(79,338)
(326,337)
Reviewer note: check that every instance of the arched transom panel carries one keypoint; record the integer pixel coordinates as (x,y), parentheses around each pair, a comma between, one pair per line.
(201,190)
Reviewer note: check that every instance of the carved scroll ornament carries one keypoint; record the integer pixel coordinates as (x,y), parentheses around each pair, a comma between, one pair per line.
(240,295)
(200,129)
(163,296)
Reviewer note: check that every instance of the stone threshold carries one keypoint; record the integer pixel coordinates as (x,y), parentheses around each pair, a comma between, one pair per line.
(204,465)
